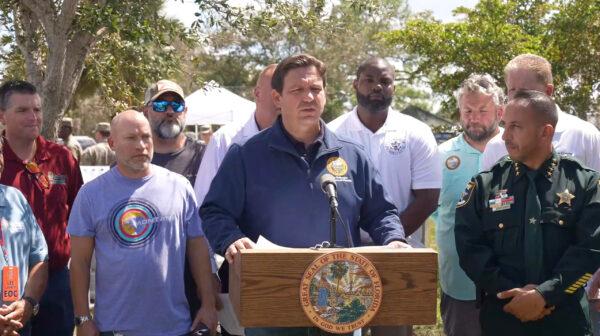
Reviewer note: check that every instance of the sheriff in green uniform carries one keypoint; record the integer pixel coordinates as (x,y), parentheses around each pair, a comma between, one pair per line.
(526,231)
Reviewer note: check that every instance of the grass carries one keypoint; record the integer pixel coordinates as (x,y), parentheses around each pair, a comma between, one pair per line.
(437,329)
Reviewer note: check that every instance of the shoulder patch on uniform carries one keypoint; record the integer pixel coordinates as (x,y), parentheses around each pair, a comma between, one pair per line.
(465,197)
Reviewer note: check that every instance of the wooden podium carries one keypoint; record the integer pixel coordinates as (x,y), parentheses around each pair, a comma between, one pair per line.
(264,285)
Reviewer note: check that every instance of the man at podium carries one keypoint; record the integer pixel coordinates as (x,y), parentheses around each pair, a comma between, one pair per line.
(270,185)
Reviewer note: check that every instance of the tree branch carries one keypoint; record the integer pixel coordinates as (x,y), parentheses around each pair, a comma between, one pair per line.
(67,14)
(26,25)
(44,11)
(77,49)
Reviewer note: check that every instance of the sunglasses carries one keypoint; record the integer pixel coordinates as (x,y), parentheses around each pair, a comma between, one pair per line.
(40,177)
(162,105)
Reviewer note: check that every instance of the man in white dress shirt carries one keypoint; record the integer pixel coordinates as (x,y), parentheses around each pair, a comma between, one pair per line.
(573,136)
(238,132)
(401,147)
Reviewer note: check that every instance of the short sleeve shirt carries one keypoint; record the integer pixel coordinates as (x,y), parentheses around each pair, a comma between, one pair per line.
(140,229)
(460,162)
(21,237)
(404,151)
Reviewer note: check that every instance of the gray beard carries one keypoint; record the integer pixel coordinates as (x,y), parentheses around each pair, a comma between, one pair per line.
(168,129)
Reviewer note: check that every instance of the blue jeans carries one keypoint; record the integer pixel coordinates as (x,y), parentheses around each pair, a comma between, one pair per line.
(301,331)
(56,307)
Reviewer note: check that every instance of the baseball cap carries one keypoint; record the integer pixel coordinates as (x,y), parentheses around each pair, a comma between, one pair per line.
(160,87)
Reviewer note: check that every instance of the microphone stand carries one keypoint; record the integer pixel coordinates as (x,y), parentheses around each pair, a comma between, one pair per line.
(334,214)
(332,225)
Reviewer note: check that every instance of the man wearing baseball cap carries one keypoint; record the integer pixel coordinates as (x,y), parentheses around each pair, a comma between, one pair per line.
(99,154)
(165,109)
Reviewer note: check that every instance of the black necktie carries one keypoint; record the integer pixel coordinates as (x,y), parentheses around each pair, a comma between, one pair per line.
(534,245)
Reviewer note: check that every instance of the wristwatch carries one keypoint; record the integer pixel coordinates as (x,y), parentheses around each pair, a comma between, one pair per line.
(35,306)
(79,320)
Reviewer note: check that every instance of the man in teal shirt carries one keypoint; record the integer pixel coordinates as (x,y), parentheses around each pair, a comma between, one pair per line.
(480,105)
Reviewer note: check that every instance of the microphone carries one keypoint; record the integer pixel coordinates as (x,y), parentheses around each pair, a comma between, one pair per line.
(329,188)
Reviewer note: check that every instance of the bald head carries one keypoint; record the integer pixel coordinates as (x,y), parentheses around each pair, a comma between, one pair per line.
(266,111)
(131,139)
(125,118)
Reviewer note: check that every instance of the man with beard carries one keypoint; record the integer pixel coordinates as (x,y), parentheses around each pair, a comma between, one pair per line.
(480,106)
(164,107)
(527,230)
(401,147)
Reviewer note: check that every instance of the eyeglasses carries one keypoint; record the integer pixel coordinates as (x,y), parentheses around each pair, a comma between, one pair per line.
(35,170)
(162,105)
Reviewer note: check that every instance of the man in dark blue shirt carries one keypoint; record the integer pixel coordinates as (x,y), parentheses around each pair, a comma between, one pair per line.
(270,185)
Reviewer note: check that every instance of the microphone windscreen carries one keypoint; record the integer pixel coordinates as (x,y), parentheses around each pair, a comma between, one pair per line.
(326,179)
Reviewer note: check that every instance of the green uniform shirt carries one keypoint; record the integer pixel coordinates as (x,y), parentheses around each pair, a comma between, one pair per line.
(490,221)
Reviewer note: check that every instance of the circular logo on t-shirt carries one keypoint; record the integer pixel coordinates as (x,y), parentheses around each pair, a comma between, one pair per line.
(133,222)
(340,292)
(452,162)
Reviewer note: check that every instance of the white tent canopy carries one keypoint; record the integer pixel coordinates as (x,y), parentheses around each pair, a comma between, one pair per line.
(216,106)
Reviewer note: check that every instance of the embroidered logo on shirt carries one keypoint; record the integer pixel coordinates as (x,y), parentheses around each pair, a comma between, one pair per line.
(465,197)
(57,179)
(337,166)
(133,222)
(395,145)
(501,201)
(452,162)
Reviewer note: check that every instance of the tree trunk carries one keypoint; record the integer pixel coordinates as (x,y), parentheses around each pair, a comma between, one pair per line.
(57,76)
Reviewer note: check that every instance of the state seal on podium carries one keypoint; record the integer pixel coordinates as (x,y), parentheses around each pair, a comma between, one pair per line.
(340,291)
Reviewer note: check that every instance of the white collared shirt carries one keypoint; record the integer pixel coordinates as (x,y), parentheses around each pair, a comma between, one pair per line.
(573,136)
(404,151)
(221,140)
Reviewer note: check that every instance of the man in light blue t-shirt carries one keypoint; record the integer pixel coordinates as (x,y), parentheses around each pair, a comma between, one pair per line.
(23,256)
(480,106)
(141,220)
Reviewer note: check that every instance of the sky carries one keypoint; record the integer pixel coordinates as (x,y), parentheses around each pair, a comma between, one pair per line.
(442,10)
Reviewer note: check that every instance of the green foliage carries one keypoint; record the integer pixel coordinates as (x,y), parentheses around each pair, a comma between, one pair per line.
(341,33)
(136,46)
(351,312)
(495,31)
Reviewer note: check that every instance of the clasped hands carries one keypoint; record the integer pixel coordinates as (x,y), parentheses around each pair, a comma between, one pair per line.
(526,304)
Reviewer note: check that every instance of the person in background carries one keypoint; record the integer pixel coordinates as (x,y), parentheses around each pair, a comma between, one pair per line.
(99,154)
(480,102)
(65,132)
(49,177)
